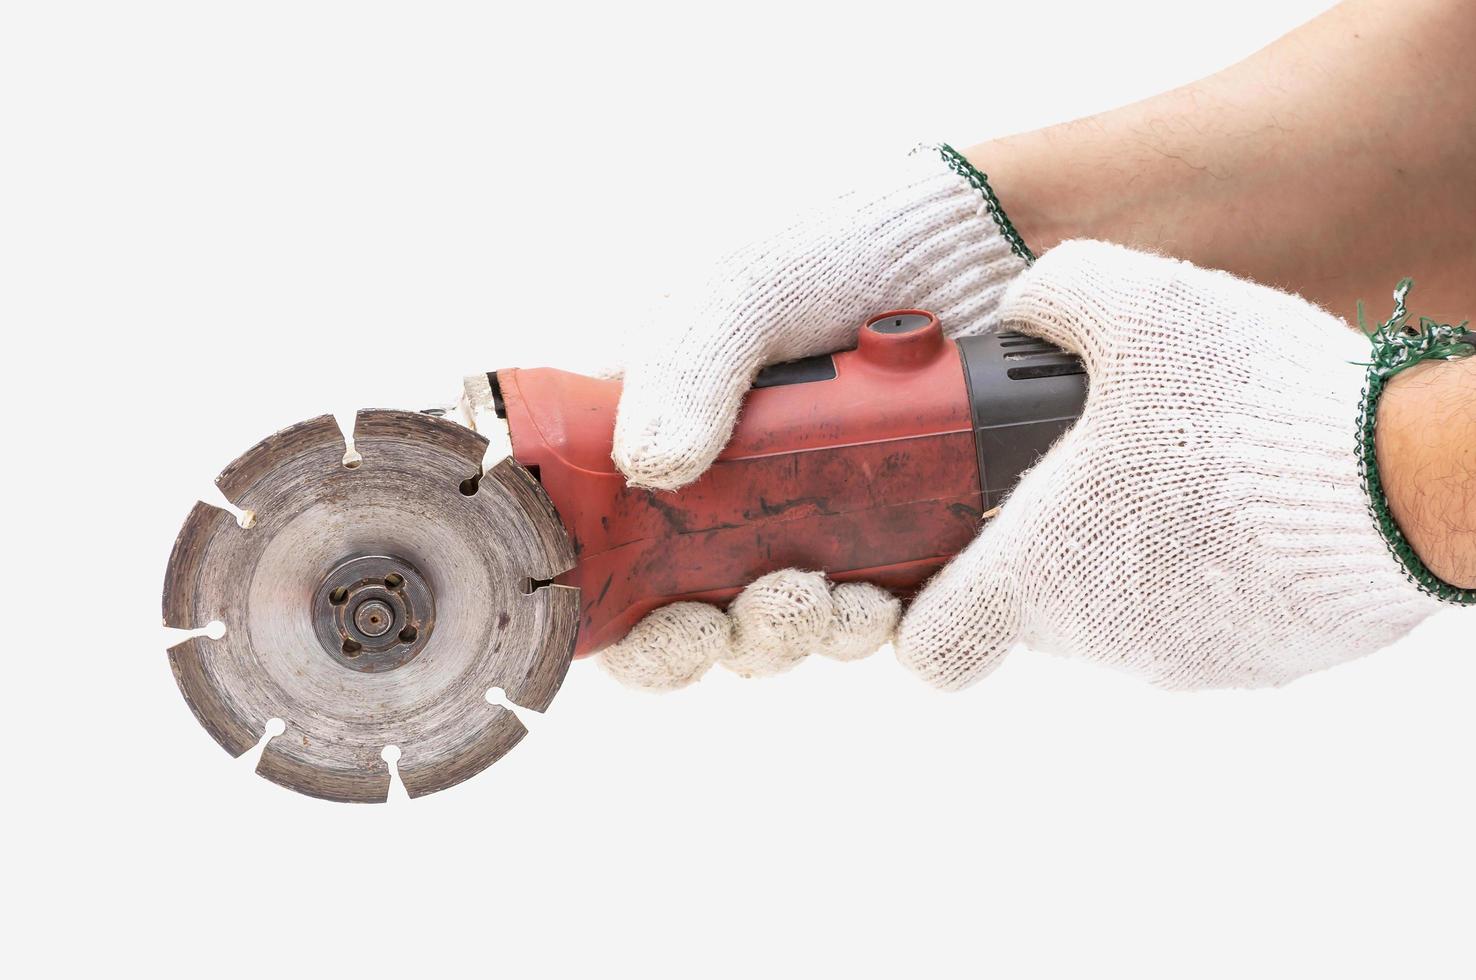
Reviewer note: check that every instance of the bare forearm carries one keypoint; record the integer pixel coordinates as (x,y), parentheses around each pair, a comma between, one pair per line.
(1331,164)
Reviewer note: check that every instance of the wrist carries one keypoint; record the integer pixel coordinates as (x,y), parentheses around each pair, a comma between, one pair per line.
(1035,190)
(965,168)
(1426,451)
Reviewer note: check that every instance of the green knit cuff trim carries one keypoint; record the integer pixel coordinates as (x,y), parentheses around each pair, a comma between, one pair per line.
(1398,344)
(961,166)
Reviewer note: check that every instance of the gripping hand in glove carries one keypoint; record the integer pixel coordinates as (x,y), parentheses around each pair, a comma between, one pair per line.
(1204,523)
(925,232)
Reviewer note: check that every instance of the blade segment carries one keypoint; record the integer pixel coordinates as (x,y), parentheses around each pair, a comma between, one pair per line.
(293,448)
(533,679)
(432,436)
(235,729)
(185,606)
(365,779)
(544,534)
(425,772)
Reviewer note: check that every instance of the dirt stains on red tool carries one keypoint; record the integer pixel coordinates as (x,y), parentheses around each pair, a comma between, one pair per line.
(867,474)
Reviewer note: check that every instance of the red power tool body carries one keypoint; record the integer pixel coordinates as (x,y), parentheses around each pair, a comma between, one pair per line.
(873,464)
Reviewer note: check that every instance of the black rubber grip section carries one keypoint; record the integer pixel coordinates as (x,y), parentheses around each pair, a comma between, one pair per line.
(497,406)
(1023,394)
(820,367)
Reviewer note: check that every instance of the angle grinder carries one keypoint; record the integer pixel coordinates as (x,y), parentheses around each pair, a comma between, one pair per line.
(374,590)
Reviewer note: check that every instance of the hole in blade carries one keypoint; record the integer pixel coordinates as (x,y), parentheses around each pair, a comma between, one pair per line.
(244,518)
(273,728)
(532,585)
(346,420)
(213,630)
(498,696)
(391,756)
(470,485)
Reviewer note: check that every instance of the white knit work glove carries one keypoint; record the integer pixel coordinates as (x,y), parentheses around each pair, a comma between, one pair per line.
(1204,523)
(924,232)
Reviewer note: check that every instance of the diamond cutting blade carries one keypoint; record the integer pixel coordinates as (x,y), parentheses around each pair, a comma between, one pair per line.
(372,599)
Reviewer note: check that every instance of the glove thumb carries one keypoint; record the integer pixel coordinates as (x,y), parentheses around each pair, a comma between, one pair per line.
(962,623)
(1082,294)
(679,407)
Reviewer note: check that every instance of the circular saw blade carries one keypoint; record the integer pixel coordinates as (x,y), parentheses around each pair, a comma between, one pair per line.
(485,545)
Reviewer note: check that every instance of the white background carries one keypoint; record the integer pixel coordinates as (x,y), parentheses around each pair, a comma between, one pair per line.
(217,219)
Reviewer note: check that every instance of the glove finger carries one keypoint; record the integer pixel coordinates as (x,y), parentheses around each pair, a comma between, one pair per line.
(778,620)
(865,619)
(960,626)
(1079,288)
(670,648)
